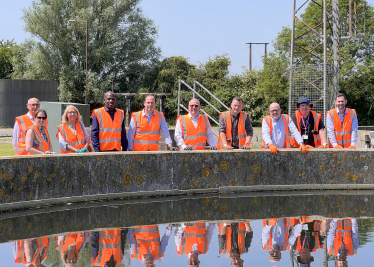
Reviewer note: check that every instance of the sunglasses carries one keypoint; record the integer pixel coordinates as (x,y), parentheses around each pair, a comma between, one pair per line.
(41,118)
(194,106)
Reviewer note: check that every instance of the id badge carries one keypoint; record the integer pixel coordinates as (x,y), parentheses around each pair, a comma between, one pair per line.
(304,137)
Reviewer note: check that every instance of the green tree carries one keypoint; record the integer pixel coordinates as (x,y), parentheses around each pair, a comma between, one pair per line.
(121,46)
(6,66)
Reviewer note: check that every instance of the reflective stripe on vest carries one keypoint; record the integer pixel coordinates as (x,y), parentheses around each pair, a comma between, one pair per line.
(109,244)
(286,120)
(24,122)
(195,137)
(43,146)
(242,133)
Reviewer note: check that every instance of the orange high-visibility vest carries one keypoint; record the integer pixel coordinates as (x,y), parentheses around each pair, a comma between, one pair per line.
(289,223)
(77,141)
(286,120)
(40,252)
(24,122)
(343,130)
(194,235)
(109,244)
(43,146)
(72,239)
(110,130)
(228,243)
(317,118)
(242,134)
(192,136)
(147,136)
(343,234)
(147,239)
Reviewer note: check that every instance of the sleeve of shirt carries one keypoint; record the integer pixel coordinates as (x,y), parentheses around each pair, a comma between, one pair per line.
(248,127)
(248,239)
(321,125)
(84,131)
(265,235)
(178,136)
(331,233)
(123,137)
(266,132)
(222,125)
(165,132)
(295,132)
(131,134)
(62,142)
(15,137)
(355,233)
(94,244)
(131,238)
(165,240)
(210,231)
(221,242)
(95,134)
(211,140)
(354,130)
(330,129)
(294,234)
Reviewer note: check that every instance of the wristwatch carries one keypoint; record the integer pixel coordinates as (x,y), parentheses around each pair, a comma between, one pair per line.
(224,145)
(324,144)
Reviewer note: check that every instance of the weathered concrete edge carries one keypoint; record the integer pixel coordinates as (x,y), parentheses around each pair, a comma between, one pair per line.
(176,192)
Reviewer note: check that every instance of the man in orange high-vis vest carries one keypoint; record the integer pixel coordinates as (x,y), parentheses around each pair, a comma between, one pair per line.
(235,127)
(310,125)
(234,239)
(342,240)
(107,247)
(193,130)
(342,124)
(146,126)
(108,131)
(277,130)
(30,252)
(145,244)
(22,124)
(193,239)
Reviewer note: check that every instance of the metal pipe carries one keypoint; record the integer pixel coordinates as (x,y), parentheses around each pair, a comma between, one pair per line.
(194,87)
(335,15)
(250,56)
(291,56)
(189,87)
(350,18)
(324,61)
(86,58)
(219,101)
(179,97)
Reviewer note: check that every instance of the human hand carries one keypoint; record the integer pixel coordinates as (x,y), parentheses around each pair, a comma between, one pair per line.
(228,147)
(246,146)
(83,150)
(338,147)
(352,147)
(323,147)
(273,149)
(213,148)
(188,148)
(50,152)
(310,147)
(304,149)
(173,148)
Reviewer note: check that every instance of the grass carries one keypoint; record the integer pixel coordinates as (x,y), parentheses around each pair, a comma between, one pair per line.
(6,139)
(6,150)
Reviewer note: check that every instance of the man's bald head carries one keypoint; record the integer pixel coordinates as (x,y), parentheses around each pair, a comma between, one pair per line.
(275,111)
(33,105)
(110,100)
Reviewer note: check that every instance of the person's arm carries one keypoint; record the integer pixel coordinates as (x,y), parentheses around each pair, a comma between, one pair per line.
(15,137)
(86,136)
(123,137)
(29,141)
(266,132)
(331,129)
(354,134)
(355,233)
(209,232)
(322,132)
(95,134)
(210,136)
(178,136)
(165,239)
(249,130)
(222,130)
(94,244)
(28,250)
(165,132)
(295,233)
(64,145)
(131,134)
(295,132)
(132,241)
(331,233)
(265,235)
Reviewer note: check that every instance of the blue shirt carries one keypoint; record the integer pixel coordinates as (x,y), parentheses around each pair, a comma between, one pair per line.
(96,129)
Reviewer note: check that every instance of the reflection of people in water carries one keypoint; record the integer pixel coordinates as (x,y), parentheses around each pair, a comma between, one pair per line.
(342,240)
(275,236)
(107,247)
(70,247)
(305,237)
(145,243)
(30,252)
(193,239)
(235,239)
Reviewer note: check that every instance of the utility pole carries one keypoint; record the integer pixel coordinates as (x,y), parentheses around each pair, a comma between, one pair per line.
(250,52)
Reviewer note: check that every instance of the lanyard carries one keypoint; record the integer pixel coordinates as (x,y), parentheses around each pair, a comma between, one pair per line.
(305,123)
(307,244)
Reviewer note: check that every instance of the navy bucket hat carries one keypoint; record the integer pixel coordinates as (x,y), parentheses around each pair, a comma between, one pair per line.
(304,100)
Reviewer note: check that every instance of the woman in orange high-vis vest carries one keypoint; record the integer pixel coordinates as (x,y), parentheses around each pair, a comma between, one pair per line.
(71,133)
(37,137)
(30,251)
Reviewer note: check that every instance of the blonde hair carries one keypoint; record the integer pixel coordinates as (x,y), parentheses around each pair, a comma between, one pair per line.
(65,118)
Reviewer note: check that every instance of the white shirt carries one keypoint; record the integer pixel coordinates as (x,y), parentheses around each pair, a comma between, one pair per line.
(332,233)
(277,232)
(178,135)
(331,129)
(132,130)
(296,232)
(17,132)
(179,232)
(279,133)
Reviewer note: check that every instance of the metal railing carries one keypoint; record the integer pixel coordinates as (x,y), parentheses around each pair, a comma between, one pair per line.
(201,97)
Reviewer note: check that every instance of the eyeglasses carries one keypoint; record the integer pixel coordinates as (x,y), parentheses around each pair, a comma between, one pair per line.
(72,112)
(41,118)
(34,105)
(194,106)
(71,261)
(273,111)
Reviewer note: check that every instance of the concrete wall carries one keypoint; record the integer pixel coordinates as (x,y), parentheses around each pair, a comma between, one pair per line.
(16,93)
(29,180)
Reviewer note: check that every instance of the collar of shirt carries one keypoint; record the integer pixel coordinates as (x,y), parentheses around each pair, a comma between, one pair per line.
(345,111)
(153,114)
(189,114)
(107,109)
(30,116)
(232,115)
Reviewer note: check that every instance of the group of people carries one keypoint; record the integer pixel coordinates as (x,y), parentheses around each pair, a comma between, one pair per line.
(303,235)
(304,129)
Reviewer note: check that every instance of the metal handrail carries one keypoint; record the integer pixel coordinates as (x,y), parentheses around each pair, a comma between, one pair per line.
(219,101)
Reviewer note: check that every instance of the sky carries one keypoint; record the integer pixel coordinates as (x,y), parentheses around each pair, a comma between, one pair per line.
(195,29)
